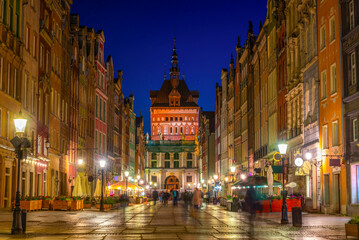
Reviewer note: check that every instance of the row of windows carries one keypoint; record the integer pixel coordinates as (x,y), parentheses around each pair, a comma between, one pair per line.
(175,155)
(31,45)
(100,108)
(176,119)
(168,164)
(10,13)
(335,135)
(173,130)
(333,81)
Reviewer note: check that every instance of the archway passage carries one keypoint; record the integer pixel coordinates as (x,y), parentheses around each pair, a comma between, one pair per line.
(171,182)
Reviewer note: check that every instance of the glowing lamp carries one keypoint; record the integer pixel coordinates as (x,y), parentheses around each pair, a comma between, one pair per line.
(138,177)
(20,123)
(127,173)
(215,177)
(233,169)
(102,163)
(282,148)
(308,156)
(80,161)
(243,176)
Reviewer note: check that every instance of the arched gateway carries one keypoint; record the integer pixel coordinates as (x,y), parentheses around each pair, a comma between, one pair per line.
(171,182)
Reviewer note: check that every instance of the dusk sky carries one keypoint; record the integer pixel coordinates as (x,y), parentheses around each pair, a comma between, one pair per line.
(139,36)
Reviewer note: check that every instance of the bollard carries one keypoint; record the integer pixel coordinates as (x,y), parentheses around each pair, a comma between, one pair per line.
(23,220)
(297,216)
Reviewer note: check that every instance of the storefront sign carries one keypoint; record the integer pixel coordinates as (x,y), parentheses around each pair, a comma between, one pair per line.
(334,162)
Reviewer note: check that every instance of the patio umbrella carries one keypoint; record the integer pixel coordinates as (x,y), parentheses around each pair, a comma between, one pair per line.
(97,192)
(270,180)
(77,188)
(84,184)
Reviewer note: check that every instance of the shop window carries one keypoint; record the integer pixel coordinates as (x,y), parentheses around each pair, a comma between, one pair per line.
(189,179)
(154,179)
(326,190)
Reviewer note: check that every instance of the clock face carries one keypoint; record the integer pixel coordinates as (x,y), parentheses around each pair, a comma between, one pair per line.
(298,162)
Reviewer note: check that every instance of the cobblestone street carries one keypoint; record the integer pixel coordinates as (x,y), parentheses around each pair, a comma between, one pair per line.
(168,222)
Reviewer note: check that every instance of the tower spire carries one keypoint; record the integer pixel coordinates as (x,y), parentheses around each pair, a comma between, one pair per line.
(165,72)
(183,71)
(174,71)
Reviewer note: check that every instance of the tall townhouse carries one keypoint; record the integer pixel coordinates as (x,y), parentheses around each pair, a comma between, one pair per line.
(110,117)
(237,111)
(48,142)
(272,109)
(224,127)
(207,139)
(80,34)
(310,151)
(11,67)
(259,63)
(117,130)
(28,187)
(126,132)
(217,120)
(250,101)
(101,101)
(131,135)
(333,168)
(245,65)
(230,105)
(350,92)
(294,96)
(74,152)
(88,35)
(140,148)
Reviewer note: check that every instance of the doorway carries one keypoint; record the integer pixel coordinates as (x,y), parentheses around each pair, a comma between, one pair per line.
(171,182)
(336,193)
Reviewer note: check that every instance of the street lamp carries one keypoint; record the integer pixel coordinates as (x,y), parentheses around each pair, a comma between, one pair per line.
(18,143)
(102,165)
(215,177)
(283,150)
(233,169)
(126,176)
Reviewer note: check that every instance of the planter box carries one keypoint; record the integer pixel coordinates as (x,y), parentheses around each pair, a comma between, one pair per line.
(293,203)
(107,206)
(87,205)
(266,205)
(229,206)
(234,207)
(29,205)
(47,204)
(77,205)
(352,230)
(61,205)
(276,205)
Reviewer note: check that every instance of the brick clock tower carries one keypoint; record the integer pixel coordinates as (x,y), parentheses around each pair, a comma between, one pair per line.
(171,152)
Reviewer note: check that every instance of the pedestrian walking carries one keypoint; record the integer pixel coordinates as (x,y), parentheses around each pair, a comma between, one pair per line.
(166,196)
(197,198)
(155,196)
(175,197)
(251,202)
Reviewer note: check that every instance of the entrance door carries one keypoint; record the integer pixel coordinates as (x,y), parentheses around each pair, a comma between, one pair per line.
(336,193)
(171,182)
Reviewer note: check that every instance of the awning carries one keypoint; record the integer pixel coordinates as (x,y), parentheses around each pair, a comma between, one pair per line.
(122,186)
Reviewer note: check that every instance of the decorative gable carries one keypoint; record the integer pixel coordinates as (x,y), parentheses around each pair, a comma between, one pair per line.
(174,98)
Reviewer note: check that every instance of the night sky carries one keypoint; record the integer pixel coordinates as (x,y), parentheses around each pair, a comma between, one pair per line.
(139,36)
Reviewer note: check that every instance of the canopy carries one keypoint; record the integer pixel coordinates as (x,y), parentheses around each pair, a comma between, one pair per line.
(256,181)
(122,185)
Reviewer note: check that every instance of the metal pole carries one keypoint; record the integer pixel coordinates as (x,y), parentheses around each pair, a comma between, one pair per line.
(102,207)
(284,219)
(16,223)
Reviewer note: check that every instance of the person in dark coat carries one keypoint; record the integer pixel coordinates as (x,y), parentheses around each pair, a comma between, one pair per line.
(155,196)
(175,197)
(251,202)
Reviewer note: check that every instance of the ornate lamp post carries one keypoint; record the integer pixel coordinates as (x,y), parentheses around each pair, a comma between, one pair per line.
(283,150)
(18,143)
(126,176)
(102,165)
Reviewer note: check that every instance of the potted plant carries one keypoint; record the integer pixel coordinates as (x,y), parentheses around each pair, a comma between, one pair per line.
(294,200)
(352,227)
(234,206)
(107,202)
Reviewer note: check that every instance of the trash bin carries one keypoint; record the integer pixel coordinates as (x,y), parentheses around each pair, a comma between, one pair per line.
(23,220)
(297,216)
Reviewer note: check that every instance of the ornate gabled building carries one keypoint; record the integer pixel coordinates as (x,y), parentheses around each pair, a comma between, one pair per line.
(170,154)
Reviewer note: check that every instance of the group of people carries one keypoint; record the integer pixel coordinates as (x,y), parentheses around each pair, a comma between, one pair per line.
(165,196)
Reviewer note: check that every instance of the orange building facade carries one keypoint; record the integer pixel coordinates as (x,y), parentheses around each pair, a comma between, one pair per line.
(333,166)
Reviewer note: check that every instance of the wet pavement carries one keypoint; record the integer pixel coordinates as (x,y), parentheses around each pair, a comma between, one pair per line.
(168,222)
